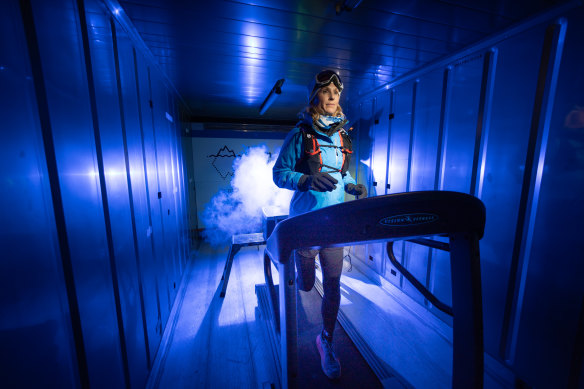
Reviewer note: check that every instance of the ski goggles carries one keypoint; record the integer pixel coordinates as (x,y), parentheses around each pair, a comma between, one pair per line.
(326,77)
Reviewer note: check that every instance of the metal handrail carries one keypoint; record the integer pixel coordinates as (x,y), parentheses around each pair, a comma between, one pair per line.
(417,284)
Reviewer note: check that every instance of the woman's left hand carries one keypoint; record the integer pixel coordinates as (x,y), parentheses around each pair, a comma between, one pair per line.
(358,190)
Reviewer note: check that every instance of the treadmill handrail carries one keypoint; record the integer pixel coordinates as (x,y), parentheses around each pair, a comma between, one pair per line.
(378,219)
(417,284)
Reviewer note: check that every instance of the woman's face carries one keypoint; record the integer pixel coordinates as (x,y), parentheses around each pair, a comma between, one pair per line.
(328,98)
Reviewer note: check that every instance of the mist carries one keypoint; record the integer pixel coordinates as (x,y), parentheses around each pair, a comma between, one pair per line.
(239,209)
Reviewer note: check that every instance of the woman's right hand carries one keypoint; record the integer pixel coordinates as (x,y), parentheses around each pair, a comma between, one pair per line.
(320,182)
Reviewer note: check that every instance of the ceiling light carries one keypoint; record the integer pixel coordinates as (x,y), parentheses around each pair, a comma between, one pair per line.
(276,90)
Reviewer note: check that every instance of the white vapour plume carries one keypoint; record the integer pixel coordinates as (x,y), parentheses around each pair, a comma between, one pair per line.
(239,211)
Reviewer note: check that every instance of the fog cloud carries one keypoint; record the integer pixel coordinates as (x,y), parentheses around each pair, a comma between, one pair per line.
(239,210)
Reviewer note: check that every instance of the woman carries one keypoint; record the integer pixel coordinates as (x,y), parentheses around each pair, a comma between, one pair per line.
(314,162)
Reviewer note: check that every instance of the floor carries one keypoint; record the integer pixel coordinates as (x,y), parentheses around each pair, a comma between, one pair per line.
(214,342)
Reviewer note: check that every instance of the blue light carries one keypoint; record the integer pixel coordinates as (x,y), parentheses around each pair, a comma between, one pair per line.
(251,63)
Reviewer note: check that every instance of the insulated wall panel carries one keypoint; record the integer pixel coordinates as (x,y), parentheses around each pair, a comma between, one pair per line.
(462,108)
(69,109)
(151,170)
(171,219)
(113,146)
(35,320)
(184,177)
(426,135)
(400,137)
(357,168)
(379,152)
(512,102)
(161,141)
(175,216)
(363,144)
(503,121)
(181,187)
(425,142)
(134,127)
(549,345)
(80,282)
(379,130)
(189,174)
(402,98)
(179,177)
(458,147)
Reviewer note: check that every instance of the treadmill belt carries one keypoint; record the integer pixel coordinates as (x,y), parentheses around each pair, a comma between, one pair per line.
(355,372)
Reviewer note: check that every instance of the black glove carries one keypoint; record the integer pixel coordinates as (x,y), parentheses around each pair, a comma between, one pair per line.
(320,182)
(358,190)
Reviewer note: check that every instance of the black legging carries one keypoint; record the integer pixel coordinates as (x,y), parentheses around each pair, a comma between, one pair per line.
(331,262)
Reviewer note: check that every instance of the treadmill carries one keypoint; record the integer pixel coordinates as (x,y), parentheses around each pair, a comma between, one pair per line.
(411,216)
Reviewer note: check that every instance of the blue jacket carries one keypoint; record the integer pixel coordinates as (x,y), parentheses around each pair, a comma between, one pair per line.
(286,177)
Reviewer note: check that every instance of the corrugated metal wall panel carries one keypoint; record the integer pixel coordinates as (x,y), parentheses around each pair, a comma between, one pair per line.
(400,137)
(363,143)
(426,131)
(158,239)
(549,347)
(160,140)
(143,178)
(78,255)
(512,104)
(399,152)
(35,319)
(509,136)
(65,79)
(425,142)
(112,128)
(146,273)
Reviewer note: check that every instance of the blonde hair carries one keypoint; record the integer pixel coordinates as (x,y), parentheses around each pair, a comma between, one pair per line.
(315,111)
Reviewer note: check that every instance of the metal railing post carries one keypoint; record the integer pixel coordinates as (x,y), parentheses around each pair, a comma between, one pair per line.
(288,324)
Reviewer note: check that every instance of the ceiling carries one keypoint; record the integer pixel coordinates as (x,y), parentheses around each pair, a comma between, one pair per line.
(224,56)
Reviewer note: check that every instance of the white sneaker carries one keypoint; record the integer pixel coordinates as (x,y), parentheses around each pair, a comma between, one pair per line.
(329,362)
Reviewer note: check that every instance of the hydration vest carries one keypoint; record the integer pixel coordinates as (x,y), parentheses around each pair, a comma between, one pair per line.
(311,160)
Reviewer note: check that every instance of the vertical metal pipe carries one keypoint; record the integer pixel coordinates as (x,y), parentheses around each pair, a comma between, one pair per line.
(356,134)
(390,118)
(442,130)
(372,184)
(288,324)
(272,291)
(467,326)
(412,125)
(483,121)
